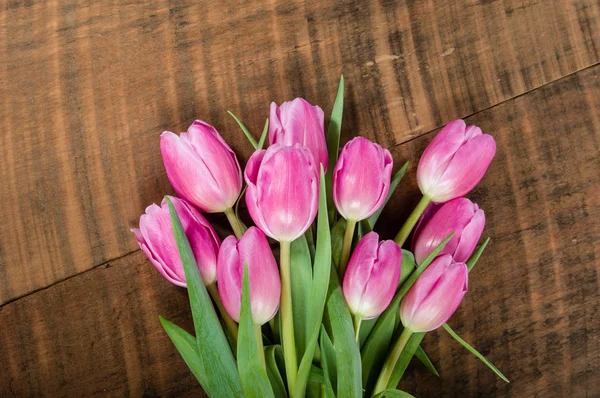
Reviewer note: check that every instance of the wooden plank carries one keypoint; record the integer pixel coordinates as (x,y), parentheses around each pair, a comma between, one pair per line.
(532,308)
(87,87)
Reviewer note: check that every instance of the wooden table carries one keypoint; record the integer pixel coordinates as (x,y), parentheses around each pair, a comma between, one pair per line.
(86,88)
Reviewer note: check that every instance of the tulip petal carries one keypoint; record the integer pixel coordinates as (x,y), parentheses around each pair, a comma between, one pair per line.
(469,237)
(466,168)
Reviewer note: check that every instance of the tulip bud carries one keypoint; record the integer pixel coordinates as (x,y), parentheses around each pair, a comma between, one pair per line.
(460,216)
(361,179)
(299,122)
(155,238)
(201,167)
(455,161)
(435,295)
(372,276)
(283,190)
(429,211)
(265,287)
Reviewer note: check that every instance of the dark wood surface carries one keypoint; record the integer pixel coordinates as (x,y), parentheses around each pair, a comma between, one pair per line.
(87,87)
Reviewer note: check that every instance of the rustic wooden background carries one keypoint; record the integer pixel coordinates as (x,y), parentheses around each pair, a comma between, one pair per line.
(86,87)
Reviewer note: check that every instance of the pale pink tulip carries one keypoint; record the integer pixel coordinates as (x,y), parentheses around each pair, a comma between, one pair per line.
(361,179)
(372,276)
(202,168)
(155,238)
(460,216)
(435,295)
(283,190)
(299,122)
(265,287)
(455,161)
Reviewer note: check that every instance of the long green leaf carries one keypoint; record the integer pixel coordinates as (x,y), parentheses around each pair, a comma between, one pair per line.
(393,394)
(474,352)
(393,185)
(422,355)
(301,275)
(333,144)
(318,291)
(263,136)
(253,373)
(408,266)
(186,345)
(245,130)
(326,345)
(407,353)
(349,383)
(216,357)
(475,256)
(337,240)
(273,371)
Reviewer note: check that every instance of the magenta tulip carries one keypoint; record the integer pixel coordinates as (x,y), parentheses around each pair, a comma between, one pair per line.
(435,295)
(429,212)
(361,179)
(455,161)
(155,238)
(265,288)
(460,216)
(299,122)
(372,276)
(283,190)
(202,168)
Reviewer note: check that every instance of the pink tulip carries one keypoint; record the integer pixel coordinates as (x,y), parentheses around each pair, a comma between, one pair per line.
(155,238)
(299,122)
(429,212)
(372,276)
(455,161)
(201,167)
(361,179)
(265,288)
(283,190)
(460,216)
(435,296)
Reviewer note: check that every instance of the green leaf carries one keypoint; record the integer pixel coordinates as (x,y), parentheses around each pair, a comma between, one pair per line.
(407,353)
(349,383)
(301,276)
(333,144)
(337,241)
(186,345)
(263,136)
(316,375)
(393,185)
(327,349)
(474,352)
(422,355)
(216,358)
(475,256)
(273,370)
(245,130)
(318,291)
(408,266)
(253,373)
(375,349)
(393,394)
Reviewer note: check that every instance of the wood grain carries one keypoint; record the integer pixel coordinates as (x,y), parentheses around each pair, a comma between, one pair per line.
(87,87)
(533,306)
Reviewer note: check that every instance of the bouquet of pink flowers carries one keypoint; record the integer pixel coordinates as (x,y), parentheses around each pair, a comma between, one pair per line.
(342,313)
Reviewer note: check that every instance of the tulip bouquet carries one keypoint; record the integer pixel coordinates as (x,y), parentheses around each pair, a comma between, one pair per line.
(342,312)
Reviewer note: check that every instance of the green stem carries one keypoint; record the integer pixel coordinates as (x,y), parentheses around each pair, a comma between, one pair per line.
(287,318)
(347,245)
(235,222)
(229,322)
(259,341)
(357,320)
(412,220)
(390,362)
